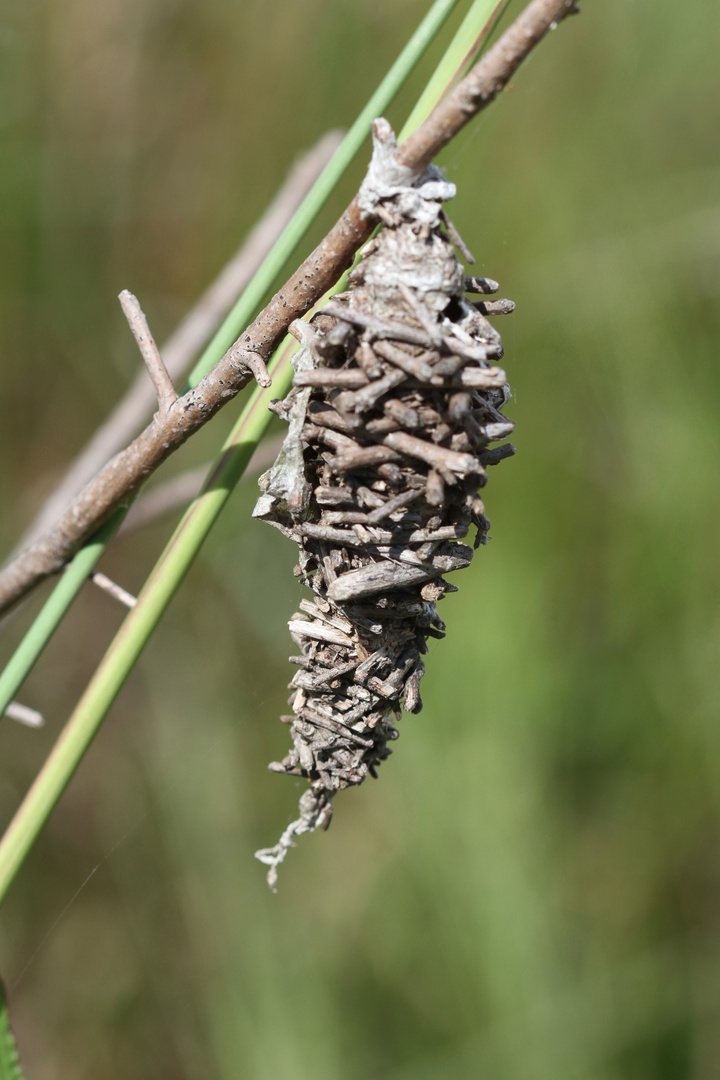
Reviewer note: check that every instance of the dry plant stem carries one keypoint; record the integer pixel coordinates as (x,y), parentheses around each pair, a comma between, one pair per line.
(183,345)
(24,715)
(120,479)
(126,472)
(157,371)
(112,589)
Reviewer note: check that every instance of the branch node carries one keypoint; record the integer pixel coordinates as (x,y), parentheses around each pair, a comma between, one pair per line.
(255,363)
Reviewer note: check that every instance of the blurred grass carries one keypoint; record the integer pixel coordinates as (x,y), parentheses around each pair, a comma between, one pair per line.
(531,888)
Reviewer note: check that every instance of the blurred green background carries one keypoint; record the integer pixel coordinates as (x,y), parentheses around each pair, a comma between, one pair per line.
(531,891)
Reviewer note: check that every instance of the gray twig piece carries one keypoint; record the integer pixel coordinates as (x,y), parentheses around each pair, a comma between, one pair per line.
(116,591)
(23,714)
(149,351)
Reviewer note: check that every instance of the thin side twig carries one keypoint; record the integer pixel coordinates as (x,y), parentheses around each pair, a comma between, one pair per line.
(166,394)
(126,472)
(102,581)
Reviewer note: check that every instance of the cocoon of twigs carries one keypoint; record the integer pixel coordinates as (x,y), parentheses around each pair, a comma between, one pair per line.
(397,397)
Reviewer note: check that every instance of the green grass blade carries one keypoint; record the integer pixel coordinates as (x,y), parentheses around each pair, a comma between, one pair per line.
(153,600)
(9,1060)
(82,564)
(53,611)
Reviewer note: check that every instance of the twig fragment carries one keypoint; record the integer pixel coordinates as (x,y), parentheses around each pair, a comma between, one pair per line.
(24,715)
(112,589)
(481,285)
(457,239)
(149,351)
(330,377)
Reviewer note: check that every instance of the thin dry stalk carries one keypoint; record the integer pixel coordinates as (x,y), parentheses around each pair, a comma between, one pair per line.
(166,394)
(24,715)
(112,589)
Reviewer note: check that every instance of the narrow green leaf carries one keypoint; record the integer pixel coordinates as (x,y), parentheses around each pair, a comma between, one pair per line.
(53,611)
(9,1060)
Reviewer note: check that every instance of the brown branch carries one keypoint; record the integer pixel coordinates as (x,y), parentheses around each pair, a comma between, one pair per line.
(193,332)
(157,371)
(125,473)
